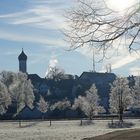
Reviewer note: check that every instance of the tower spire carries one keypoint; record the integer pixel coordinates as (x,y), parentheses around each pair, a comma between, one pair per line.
(22,62)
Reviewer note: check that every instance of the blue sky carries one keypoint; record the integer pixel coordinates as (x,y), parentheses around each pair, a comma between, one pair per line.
(36,26)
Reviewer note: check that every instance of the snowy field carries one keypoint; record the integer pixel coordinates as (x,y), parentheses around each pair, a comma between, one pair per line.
(60,130)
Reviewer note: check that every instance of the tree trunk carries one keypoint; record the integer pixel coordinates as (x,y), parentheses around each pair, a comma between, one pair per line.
(64,113)
(50,123)
(42,116)
(81,122)
(121,115)
(112,121)
(90,117)
(19,123)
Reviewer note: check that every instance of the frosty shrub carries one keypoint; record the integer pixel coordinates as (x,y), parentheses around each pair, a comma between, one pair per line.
(62,106)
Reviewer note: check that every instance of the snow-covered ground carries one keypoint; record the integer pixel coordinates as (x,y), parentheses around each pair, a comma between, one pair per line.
(60,130)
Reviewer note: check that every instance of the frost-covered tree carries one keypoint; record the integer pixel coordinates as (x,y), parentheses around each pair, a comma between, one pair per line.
(5,99)
(43,106)
(21,91)
(120,97)
(136,92)
(90,104)
(78,104)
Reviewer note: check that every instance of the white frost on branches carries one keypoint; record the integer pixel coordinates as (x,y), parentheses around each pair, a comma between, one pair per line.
(43,106)
(22,92)
(120,96)
(90,103)
(5,99)
(93,22)
(15,89)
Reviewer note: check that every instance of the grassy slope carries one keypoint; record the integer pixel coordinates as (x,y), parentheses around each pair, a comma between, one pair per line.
(133,134)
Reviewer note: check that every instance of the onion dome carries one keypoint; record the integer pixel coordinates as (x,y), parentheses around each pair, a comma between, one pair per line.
(22,56)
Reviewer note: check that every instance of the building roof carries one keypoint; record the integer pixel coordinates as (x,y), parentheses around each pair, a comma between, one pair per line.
(95,77)
(22,56)
(34,78)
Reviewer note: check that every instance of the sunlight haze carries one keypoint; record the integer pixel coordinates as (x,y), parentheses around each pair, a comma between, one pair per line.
(120,5)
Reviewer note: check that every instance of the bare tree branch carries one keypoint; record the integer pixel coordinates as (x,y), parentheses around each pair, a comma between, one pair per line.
(93,22)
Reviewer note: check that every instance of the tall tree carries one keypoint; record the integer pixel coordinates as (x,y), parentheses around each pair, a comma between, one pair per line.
(78,104)
(97,24)
(120,97)
(90,104)
(43,106)
(5,99)
(21,91)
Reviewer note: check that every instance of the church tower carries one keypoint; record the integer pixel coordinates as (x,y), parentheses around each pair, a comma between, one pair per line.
(22,62)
